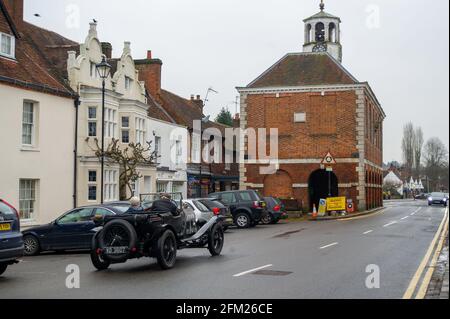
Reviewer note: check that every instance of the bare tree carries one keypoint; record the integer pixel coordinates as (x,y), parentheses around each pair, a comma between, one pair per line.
(128,158)
(408,146)
(436,162)
(418,146)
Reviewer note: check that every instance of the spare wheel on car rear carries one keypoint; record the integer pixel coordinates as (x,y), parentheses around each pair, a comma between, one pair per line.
(117,239)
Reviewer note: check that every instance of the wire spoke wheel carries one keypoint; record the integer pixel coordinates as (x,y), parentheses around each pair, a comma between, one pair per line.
(166,250)
(117,236)
(216,240)
(169,249)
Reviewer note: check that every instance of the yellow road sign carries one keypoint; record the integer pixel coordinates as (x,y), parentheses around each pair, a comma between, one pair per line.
(337,204)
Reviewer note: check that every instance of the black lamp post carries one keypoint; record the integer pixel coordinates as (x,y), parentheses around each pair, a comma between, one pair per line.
(104,70)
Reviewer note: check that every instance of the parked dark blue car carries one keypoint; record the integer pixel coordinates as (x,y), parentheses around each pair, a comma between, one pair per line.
(71,231)
(11,244)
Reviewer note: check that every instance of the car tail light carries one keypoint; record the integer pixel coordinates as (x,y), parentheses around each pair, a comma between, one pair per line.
(216,211)
(99,251)
(256,204)
(277,208)
(12,207)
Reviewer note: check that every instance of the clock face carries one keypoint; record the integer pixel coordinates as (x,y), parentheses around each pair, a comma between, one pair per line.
(320,48)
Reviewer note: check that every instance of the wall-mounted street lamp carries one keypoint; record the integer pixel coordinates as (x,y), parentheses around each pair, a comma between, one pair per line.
(104,70)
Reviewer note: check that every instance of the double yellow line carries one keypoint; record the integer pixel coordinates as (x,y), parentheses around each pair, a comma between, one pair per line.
(439,238)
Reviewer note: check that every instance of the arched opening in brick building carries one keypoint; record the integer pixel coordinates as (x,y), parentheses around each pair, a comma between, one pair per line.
(322,184)
(278,185)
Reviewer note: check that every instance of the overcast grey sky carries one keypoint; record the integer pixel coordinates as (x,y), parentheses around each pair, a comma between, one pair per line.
(403,54)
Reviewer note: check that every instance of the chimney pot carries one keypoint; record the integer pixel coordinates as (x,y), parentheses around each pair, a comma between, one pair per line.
(149,54)
(198,98)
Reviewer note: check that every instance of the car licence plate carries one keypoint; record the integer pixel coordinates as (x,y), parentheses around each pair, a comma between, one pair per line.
(5,227)
(116,250)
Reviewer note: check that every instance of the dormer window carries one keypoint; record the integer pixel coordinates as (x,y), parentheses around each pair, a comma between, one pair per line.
(128,82)
(7,45)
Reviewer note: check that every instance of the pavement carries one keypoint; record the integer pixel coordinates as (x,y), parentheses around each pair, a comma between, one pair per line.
(377,256)
(438,288)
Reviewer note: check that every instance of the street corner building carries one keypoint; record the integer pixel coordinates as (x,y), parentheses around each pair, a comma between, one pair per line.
(330,125)
(37,121)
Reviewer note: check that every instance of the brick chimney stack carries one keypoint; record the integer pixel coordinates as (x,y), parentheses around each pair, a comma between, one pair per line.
(150,70)
(15,10)
(197,100)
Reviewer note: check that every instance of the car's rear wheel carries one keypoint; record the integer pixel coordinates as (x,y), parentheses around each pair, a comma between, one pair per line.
(267,219)
(99,262)
(166,250)
(117,234)
(216,240)
(242,220)
(31,245)
(3,268)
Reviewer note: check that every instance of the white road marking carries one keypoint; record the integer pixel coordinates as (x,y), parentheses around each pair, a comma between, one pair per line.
(368,232)
(390,224)
(406,217)
(328,246)
(251,271)
(416,211)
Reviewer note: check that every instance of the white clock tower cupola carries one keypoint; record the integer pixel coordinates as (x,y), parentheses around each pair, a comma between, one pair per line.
(323,34)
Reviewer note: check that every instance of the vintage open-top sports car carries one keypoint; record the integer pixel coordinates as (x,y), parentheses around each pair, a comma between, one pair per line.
(163,226)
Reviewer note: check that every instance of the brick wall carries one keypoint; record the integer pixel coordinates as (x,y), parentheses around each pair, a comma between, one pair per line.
(331,126)
(330,122)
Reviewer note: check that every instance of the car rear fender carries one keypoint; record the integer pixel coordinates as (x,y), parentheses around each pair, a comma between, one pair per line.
(202,231)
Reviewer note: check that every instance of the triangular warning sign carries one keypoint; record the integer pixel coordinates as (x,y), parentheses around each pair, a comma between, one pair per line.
(329,159)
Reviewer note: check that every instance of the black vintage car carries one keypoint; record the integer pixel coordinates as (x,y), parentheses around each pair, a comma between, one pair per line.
(163,226)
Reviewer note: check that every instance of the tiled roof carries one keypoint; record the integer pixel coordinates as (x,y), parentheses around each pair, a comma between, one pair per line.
(304,69)
(185,111)
(32,67)
(156,111)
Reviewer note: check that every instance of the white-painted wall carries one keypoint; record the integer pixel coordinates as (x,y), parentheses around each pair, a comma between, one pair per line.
(169,134)
(50,160)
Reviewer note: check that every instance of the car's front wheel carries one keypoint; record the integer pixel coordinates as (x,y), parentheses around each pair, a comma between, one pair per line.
(31,245)
(3,268)
(242,220)
(166,250)
(216,240)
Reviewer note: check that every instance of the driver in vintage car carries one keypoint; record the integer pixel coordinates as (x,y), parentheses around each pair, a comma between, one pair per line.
(165,204)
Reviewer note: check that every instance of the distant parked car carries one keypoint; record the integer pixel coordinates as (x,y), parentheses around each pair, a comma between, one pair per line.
(223,210)
(247,207)
(11,243)
(276,211)
(72,231)
(437,199)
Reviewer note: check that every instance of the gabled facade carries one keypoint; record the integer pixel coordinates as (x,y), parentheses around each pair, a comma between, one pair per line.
(37,124)
(126,119)
(330,126)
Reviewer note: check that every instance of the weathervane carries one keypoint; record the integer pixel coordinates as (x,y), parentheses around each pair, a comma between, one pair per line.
(322,5)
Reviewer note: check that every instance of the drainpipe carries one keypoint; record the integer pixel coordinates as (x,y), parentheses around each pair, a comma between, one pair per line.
(75,154)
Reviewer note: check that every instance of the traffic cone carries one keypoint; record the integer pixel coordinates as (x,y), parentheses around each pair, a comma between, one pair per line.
(314,214)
